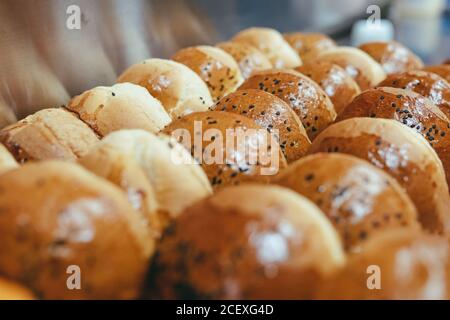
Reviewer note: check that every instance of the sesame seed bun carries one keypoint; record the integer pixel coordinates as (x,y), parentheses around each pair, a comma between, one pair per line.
(358,64)
(409,108)
(180,90)
(427,84)
(7,161)
(334,80)
(13,291)
(407,264)
(70,217)
(401,152)
(216,67)
(309,45)
(122,106)
(145,166)
(392,56)
(229,159)
(274,245)
(249,58)
(305,97)
(271,113)
(272,44)
(442,70)
(48,134)
(359,199)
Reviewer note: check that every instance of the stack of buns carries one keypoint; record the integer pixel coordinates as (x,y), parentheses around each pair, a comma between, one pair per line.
(269,166)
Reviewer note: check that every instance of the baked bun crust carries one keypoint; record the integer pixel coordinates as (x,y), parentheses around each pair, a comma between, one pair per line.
(180,90)
(401,152)
(392,56)
(144,165)
(409,108)
(13,291)
(216,67)
(309,45)
(7,161)
(411,265)
(334,80)
(358,64)
(122,106)
(274,245)
(442,70)
(228,160)
(427,84)
(306,98)
(70,217)
(271,113)
(358,198)
(247,56)
(48,134)
(272,44)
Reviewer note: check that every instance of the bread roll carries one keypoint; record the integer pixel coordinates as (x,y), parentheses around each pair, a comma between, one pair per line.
(157,173)
(427,84)
(393,56)
(401,152)
(48,134)
(308,100)
(7,161)
(180,90)
(248,57)
(334,80)
(274,245)
(271,113)
(216,67)
(358,64)
(272,44)
(401,264)
(309,45)
(69,217)
(122,106)
(409,108)
(13,291)
(442,70)
(359,199)
(231,148)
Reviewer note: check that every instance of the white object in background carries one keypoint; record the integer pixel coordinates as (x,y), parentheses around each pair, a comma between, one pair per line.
(371,30)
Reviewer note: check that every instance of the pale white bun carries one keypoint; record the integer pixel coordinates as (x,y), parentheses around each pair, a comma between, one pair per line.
(121,106)
(272,44)
(7,161)
(180,90)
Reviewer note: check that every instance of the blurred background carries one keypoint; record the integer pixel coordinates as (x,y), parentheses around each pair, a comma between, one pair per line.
(43,62)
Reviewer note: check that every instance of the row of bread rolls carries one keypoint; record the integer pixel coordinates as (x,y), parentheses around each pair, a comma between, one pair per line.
(366,181)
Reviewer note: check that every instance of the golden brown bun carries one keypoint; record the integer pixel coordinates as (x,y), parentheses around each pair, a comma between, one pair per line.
(338,85)
(271,113)
(427,84)
(145,166)
(309,45)
(216,67)
(274,244)
(359,199)
(48,134)
(272,44)
(358,64)
(13,291)
(122,106)
(409,108)
(69,217)
(442,70)
(393,56)
(247,56)
(409,265)
(401,152)
(305,97)
(228,160)
(7,161)
(180,90)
